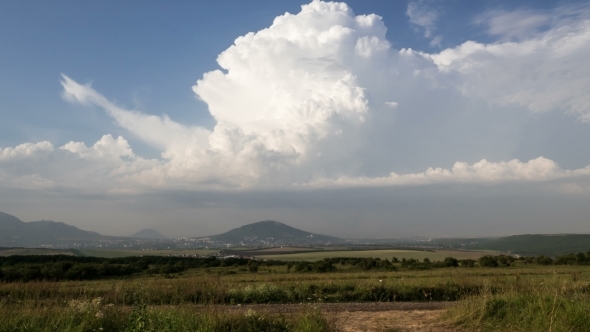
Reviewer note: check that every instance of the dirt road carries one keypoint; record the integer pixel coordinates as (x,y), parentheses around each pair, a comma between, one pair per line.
(369,317)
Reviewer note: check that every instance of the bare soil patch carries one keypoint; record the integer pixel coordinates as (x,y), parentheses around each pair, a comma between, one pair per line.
(341,307)
(390,321)
(368,317)
(287,249)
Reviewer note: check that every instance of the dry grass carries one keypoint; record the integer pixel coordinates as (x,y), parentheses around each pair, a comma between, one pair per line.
(490,299)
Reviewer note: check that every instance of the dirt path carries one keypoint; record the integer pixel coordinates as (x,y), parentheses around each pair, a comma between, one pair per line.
(392,321)
(342,307)
(369,317)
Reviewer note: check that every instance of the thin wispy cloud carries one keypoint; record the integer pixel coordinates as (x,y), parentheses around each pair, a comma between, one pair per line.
(423,15)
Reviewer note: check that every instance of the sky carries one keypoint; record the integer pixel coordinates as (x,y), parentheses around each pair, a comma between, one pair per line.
(357,119)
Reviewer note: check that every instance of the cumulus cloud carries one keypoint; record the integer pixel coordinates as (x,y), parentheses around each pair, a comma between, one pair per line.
(307,103)
(546,71)
(539,169)
(158,131)
(107,165)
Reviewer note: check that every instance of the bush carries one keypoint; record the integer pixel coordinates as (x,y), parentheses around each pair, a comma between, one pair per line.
(467,263)
(450,262)
(542,260)
(488,261)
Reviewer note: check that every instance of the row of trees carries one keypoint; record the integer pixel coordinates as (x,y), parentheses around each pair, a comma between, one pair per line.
(569,259)
(60,267)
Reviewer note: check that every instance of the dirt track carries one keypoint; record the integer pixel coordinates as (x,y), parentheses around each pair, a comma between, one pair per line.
(365,317)
(342,307)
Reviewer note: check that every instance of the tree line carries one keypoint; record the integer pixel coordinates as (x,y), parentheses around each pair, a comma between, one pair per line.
(62,267)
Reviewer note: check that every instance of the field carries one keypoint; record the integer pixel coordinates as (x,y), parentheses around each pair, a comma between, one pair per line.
(520,296)
(128,253)
(436,255)
(35,251)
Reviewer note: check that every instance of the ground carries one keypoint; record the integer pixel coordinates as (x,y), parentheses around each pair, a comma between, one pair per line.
(436,255)
(390,321)
(369,317)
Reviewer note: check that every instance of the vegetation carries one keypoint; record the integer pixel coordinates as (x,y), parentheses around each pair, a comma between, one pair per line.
(556,304)
(61,267)
(433,255)
(534,244)
(492,293)
(96,315)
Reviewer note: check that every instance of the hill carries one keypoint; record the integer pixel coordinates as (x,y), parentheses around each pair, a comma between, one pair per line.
(148,233)
(17,233)
(538,244)
(272,232)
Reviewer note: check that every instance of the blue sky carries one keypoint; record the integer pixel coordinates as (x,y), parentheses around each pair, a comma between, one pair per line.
(149,54)
(446,102)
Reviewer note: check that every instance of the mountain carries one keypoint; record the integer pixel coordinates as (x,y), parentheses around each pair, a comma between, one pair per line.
(148,233)
(272,232)
(16,233)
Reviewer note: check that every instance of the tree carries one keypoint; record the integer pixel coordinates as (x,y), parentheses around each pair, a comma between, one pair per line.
(451,262)
(488,261)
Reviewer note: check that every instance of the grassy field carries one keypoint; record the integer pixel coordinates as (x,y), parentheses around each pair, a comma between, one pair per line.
(517,298)
(127,253)
(35,251)
(437,255)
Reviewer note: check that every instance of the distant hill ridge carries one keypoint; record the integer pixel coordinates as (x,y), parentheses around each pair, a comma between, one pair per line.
(538,244)
(270,230)
(15,232)
(148,233)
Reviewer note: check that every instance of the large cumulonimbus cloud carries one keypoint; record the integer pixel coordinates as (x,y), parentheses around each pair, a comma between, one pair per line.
(294,104)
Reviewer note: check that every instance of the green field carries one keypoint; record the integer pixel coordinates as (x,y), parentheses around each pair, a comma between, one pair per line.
(240,295)
(437,255)
(128,253)
(36,251)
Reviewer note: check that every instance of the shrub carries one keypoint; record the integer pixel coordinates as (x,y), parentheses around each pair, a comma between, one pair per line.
(488,261)
(450,262)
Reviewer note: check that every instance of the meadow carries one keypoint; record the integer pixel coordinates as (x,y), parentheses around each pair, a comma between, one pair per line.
(521,295)
(434,255)
(109,253)
(36,251)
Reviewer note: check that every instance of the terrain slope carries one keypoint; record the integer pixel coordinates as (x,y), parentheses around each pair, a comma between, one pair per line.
(274,232)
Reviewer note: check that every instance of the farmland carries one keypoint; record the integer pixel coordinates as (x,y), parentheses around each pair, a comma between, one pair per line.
(434,255)
(36,251)
(181,294)
(127,253)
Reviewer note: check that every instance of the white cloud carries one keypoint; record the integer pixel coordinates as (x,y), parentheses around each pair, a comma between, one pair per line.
(540,169)
(423,15)
(160,132)
(436,41)
(514,24)
(391,104)
(108,164)
(546,72)
(308,101)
